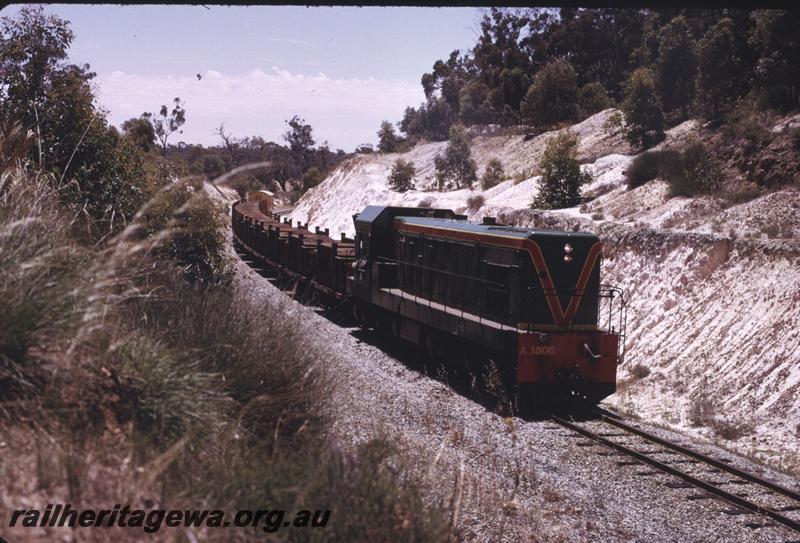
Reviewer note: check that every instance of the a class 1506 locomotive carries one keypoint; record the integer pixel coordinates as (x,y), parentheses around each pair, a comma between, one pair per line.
(529,303)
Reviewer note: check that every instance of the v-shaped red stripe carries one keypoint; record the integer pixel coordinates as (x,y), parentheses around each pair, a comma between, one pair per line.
(562,317)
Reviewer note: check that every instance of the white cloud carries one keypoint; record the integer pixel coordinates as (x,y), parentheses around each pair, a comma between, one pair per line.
(345,112)
(290,41)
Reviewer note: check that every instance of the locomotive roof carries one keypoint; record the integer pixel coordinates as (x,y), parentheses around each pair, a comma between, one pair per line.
(491,229)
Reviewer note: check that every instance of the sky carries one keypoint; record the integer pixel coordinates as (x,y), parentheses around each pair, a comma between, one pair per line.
(343,69)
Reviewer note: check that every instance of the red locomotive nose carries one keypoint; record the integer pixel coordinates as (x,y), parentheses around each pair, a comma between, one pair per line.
(593,355)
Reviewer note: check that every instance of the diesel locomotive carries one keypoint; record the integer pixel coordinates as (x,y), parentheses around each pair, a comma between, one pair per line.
(528,302)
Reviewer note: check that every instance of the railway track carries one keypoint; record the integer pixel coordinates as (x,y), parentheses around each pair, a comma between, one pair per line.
(714,478)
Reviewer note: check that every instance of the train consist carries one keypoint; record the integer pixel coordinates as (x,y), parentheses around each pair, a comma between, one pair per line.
(524,305)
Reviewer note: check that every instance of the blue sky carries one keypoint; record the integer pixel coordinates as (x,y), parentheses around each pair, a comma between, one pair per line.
(342,68)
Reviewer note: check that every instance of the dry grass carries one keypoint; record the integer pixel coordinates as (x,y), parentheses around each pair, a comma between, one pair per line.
(162,384)
(474,203)
(639,371)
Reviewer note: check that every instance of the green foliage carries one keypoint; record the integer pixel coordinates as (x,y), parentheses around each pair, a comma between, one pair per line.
(212,165)
(688,173)
(196,241)
(456,168)
(140,131)
(777,70)
(431,120)
(169,396)
(642,108)
(493,175)
(592,98)
(244,183)
(39,89)
(647,166)
(71,138)
(639,371)
(561,180)
(311,178)
(167,121)
(387,138)
(364,149)
(553,96)
(300,138)
(750,125)
(717,70)
(702,172)
(687,50)
(41,281)
(474,106)
(161,208)
(401,178)
(676,65)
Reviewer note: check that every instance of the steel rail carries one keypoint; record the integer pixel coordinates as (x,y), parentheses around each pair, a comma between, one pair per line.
(698,456)
(694,481)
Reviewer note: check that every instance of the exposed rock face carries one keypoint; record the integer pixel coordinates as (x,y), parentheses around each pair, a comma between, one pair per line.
(715,321)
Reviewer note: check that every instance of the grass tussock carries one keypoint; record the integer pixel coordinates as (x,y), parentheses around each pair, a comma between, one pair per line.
(41,283)
(143,355)
(703,412)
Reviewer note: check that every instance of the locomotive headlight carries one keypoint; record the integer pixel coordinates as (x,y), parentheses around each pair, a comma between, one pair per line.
(567,248)
(568,258)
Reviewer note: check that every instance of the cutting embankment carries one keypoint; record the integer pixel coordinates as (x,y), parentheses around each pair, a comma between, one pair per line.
(713,284)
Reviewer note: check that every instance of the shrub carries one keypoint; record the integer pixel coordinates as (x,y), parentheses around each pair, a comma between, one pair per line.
(562,177)
(553,95)
(644,119)
(702,170)
(701,411)
(212,165)
(387,138)
(651,164)
(474,203)
(740,196)
(493,175)
(639,371)
(426,202)
(401,178)
(244,183)
(731,429)
(592,98)
(196,242)
(156,214)
(456,168)
(311,178)
(747,124)
(692,172)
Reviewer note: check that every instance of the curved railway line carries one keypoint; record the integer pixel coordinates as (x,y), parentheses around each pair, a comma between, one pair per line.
(715,478)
